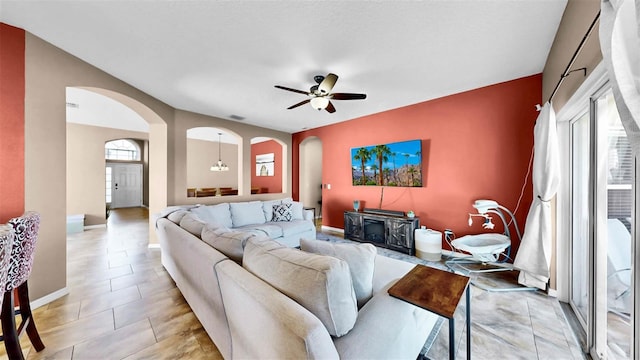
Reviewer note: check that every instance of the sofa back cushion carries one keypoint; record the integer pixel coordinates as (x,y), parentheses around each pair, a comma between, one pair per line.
(297,209)
(177,215)
(267,208)
(193,224)
(214,214)
(360,258)
(229,242)
(321,284)
(247,213)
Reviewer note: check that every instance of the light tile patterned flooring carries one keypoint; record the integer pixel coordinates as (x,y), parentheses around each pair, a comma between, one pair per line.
(123,305)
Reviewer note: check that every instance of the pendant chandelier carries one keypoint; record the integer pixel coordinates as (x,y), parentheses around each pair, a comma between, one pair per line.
(219,166)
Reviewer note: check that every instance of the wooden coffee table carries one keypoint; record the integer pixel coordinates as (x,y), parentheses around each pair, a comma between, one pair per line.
(437,291)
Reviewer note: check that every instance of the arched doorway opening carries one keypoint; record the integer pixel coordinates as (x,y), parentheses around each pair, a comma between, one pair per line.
(206,147)
(311,173)
(83,99)
(268,164)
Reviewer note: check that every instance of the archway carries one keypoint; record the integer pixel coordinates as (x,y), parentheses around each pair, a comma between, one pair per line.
(268,160)
(311,173)
(205,147)
(157,152)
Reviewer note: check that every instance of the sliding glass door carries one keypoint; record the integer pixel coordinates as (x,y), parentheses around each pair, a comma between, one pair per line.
(602,202)
(580,229)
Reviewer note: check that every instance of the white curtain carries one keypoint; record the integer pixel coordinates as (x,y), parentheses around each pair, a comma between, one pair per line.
(620,45)
(534,254)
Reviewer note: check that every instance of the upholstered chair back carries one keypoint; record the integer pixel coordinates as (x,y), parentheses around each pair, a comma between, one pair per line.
(6,243)
(24,245)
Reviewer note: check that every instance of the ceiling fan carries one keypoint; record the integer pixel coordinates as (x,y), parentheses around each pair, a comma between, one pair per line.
(320,94)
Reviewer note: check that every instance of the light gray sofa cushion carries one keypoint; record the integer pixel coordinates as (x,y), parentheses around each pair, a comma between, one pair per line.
(400,330)
(294,227)
(214,214)
(177,215)
(321,284)
(361,260)
(269,229)
(267,208)
(229,242)
(266,324)
(193,224)
(297,209)
(247,213)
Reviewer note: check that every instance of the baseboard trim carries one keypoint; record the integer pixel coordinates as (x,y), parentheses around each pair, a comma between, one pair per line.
(99,226)
(329,228)
(49,298)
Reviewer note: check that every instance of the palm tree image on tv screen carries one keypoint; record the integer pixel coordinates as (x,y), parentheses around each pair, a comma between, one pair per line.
(394,164)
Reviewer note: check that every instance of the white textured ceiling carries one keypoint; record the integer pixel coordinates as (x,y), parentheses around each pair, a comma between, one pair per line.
(223,58)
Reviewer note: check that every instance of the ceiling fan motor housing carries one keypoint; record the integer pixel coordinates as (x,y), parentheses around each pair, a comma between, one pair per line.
(319,95)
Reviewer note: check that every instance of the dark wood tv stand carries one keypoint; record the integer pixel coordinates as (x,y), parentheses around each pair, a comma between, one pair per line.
(390,230)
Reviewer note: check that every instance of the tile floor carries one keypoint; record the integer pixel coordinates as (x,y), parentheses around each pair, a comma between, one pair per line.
(123,305)
(505,325)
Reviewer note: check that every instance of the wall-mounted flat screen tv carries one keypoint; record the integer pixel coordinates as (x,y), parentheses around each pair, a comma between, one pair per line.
(394,164)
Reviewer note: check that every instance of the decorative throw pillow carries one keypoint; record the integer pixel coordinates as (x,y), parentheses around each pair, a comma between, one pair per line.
(297,209)
(282,212)
(267,207)
(360,257)
(321,284)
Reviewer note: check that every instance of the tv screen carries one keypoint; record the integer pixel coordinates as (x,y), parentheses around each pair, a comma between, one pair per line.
(394,164)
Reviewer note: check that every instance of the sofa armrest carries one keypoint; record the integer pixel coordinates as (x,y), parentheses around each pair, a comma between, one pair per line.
(388,270)
(255,309)
(308,215)
(387,328)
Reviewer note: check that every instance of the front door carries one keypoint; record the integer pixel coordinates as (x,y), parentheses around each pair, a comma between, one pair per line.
(126,185)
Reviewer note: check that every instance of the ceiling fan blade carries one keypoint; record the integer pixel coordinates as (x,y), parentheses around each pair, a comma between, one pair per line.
(294,90)
(327,84)
(298,104)
(348,96)
(330,108)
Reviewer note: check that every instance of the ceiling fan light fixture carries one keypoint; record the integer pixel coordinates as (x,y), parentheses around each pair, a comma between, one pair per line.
(320,95)
(319,103)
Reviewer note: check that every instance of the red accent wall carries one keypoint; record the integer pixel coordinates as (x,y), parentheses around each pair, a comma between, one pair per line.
(272,183)
(12,85)
(475,145)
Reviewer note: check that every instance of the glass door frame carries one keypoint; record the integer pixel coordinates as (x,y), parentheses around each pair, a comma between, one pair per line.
(595,85)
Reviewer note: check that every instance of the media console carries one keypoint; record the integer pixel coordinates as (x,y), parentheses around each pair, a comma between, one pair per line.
(384,228)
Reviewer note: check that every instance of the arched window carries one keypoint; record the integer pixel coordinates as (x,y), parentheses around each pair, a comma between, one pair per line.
(122,149)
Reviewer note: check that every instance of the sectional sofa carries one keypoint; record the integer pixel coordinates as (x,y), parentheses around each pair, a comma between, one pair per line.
(287,225)
(259,298)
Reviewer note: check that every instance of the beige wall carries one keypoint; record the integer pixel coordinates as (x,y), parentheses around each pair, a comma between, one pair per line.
(577,18)
(86,168)
(201,154)
(177,133)
(48,72)
(311,176)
